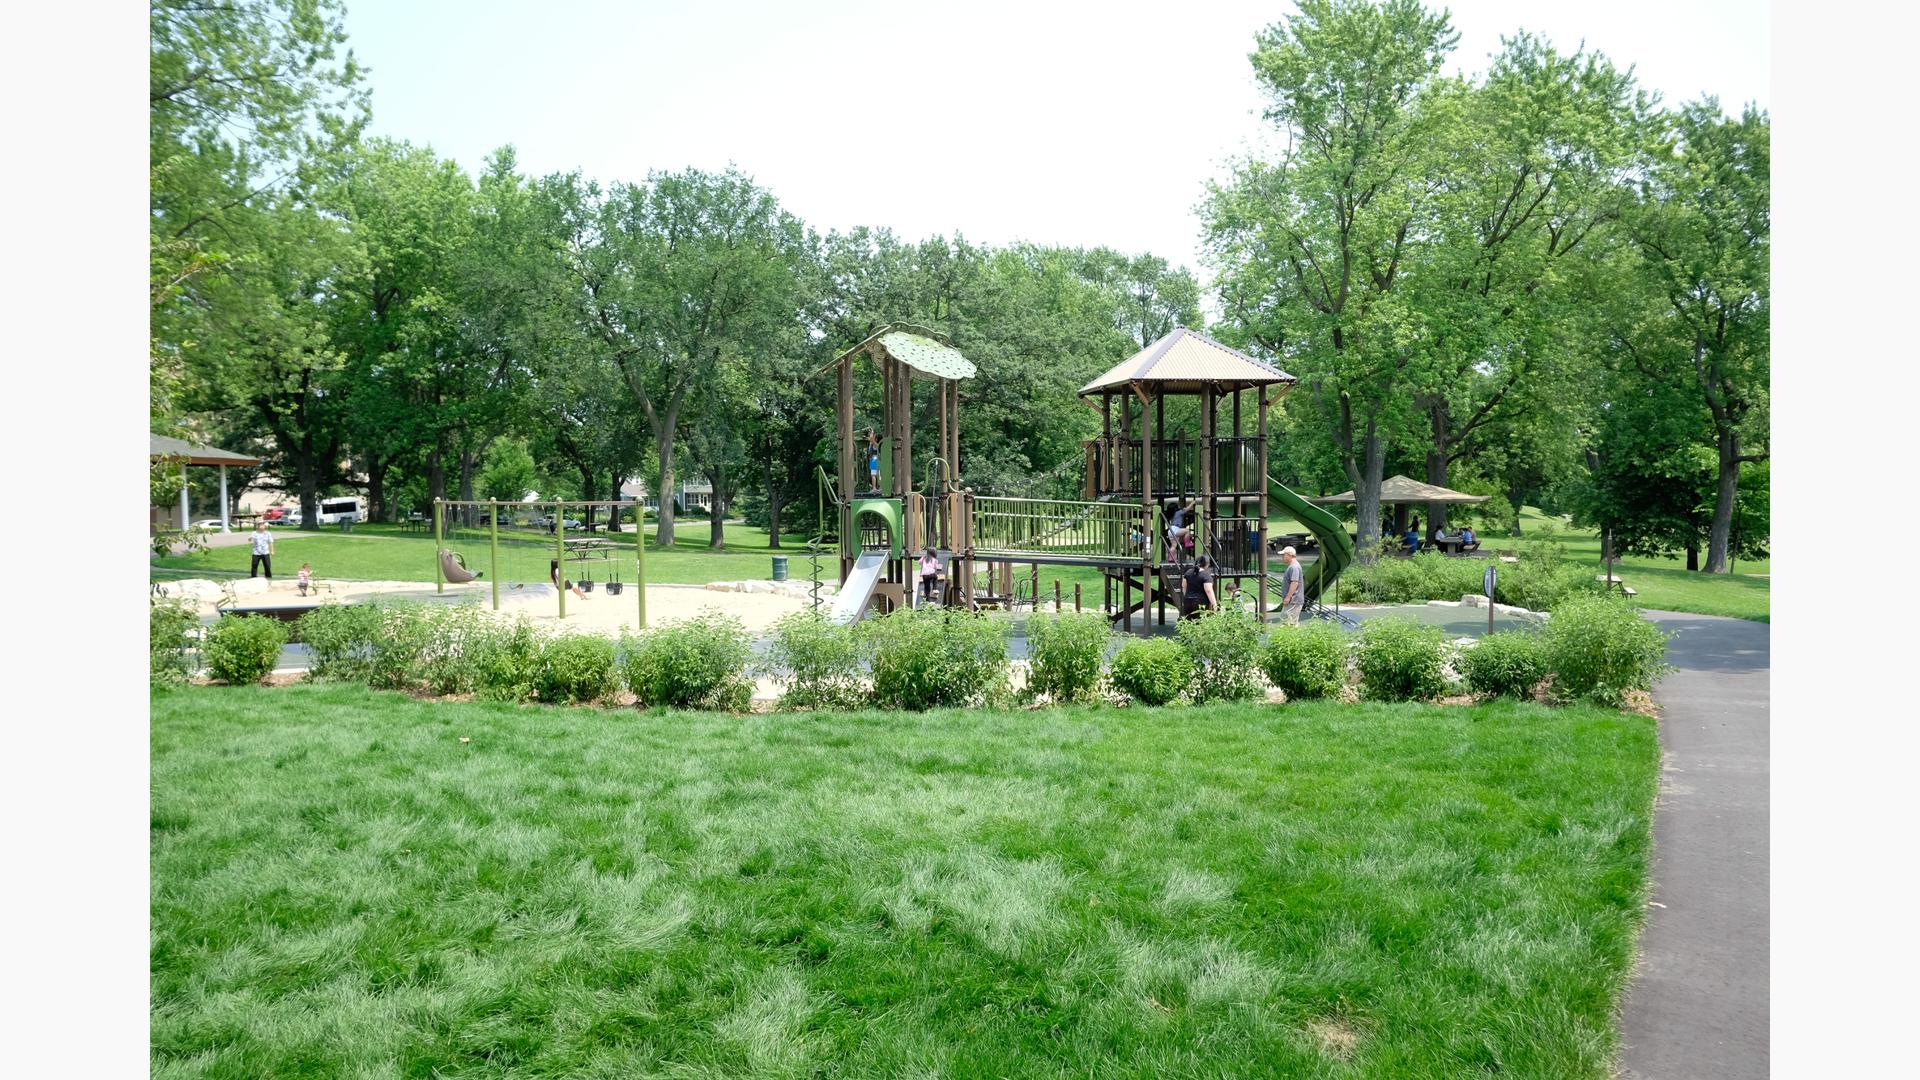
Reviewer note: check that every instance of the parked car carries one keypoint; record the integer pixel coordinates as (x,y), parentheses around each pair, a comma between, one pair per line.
(545,521)
(210,523)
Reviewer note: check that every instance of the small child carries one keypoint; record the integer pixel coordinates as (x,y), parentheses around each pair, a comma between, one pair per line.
(306,578)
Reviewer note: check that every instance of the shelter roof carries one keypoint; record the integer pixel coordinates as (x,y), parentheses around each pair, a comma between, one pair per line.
(1184,360)
(917,347)
(1401,489)
(165,446)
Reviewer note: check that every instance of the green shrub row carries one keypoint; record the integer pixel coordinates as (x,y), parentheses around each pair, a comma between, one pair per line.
(1538,582)
(170,631)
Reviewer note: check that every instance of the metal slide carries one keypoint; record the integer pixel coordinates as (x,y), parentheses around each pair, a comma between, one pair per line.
(1336,546)
(851,602)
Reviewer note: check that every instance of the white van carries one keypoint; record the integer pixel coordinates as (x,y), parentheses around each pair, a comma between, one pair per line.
(342,508)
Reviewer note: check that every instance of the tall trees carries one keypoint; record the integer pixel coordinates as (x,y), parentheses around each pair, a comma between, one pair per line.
(1313,248)
(1702,238)
(673,278)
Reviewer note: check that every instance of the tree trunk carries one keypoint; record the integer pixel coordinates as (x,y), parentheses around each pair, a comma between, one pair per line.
(377,489)
(1365,475)
(773,516)
(307,475)
(1437,460)
(717,511)
(663,521)
(436,475)
(1693,556)
(468,514)
(1723,502)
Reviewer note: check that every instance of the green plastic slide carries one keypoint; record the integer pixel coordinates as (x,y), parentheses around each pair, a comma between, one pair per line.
(1336,546)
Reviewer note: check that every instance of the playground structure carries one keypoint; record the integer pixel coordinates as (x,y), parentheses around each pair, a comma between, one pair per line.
(1135,476)
(598,548)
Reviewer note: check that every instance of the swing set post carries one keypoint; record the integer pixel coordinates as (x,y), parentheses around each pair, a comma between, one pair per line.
(560,555)
(640,557)
(493,548)
(439,541)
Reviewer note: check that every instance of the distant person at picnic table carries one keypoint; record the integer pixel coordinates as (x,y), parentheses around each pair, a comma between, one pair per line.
(1467,539)
(262,546)
(553,572)
(1293,594)
(1198,581)
(1439,536)
(1412,539)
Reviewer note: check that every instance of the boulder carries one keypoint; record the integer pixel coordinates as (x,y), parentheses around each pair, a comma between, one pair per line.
(1443,603)
(1473,600)
(720,586)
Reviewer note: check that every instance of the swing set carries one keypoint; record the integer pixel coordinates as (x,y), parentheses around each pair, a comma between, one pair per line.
(599,546)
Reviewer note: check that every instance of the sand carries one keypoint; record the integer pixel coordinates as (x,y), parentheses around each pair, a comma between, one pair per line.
(597,612)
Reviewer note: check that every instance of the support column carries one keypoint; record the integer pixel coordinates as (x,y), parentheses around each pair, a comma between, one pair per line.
(224,525)
(1262,481)
(640,557)
(1151,557)
(439,541)
(845,406)
(560,555)
(186,521)
(493,548)
(1204,526)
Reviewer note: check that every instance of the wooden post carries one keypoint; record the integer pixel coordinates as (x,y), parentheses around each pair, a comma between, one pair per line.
(1056,595)
(493,548)
(1262,481)
(1203,523)
(1150,555)
(845,406)
(1076,596)
(439,541)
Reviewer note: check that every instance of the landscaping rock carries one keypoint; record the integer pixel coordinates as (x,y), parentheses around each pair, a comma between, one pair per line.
(1443,603)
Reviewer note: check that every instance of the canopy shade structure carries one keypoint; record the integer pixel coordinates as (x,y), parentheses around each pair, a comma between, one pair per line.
(1183,361)
(163,446)
(169,449)
(1401,489)
(920,349)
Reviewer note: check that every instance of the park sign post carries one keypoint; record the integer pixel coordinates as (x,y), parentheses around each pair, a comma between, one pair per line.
(1487,582)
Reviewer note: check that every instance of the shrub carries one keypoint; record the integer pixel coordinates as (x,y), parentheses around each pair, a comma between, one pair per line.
(1507,664)
(1065,653)
(819,661)
(925,658)
(700,663)
(1599,647)
(507,662)
(400,640)
(243,649)
(1152,671)
(170,627)
(575,668)
(1401,660)
(1308,661)
(449,649)
(1225,647)
(340,637)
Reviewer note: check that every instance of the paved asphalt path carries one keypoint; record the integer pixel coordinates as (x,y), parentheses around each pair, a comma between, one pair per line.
(1697,1006)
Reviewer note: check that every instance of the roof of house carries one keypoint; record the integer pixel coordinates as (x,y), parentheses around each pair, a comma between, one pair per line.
(1184,360)
(165,446)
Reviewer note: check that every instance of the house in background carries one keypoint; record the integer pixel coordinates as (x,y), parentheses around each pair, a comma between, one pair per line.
(687,494)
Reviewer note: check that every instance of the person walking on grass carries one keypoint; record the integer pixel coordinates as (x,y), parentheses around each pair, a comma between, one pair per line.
(262,551)
(1293,588)
(1198,582)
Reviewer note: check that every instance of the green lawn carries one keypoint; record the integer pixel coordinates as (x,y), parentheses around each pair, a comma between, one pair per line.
(388,553)
(349,883)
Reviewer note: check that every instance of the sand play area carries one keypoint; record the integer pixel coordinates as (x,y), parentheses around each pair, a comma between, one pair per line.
(758,607)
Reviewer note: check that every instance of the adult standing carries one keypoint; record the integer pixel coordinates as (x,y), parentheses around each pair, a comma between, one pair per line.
(1198,581)
(1293,588)
(262,551)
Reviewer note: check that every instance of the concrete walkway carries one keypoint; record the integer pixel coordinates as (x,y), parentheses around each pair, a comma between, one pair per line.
(1697,1006)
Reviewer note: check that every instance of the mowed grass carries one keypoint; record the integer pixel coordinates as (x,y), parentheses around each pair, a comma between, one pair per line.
(349,883)
(388,553)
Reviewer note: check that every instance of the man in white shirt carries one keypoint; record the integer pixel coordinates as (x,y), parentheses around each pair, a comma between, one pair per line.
(1293,585)
(262,550)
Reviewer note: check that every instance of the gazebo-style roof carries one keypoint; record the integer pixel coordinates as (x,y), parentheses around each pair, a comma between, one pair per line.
(165,446)
(1183,361)
(920,349)
(1401,489)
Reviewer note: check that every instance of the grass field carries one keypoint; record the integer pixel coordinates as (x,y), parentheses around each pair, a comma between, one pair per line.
(347,883)
(386,553)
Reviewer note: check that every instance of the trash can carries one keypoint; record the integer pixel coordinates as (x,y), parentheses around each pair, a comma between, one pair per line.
(779,568)
(346,524)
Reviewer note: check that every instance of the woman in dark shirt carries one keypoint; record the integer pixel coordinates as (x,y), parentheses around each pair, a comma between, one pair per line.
(1199,587)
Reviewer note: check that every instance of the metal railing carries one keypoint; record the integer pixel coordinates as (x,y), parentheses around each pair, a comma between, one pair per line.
(1057,527)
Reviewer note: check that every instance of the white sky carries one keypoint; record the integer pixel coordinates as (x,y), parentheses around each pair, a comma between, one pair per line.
(1076,124)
